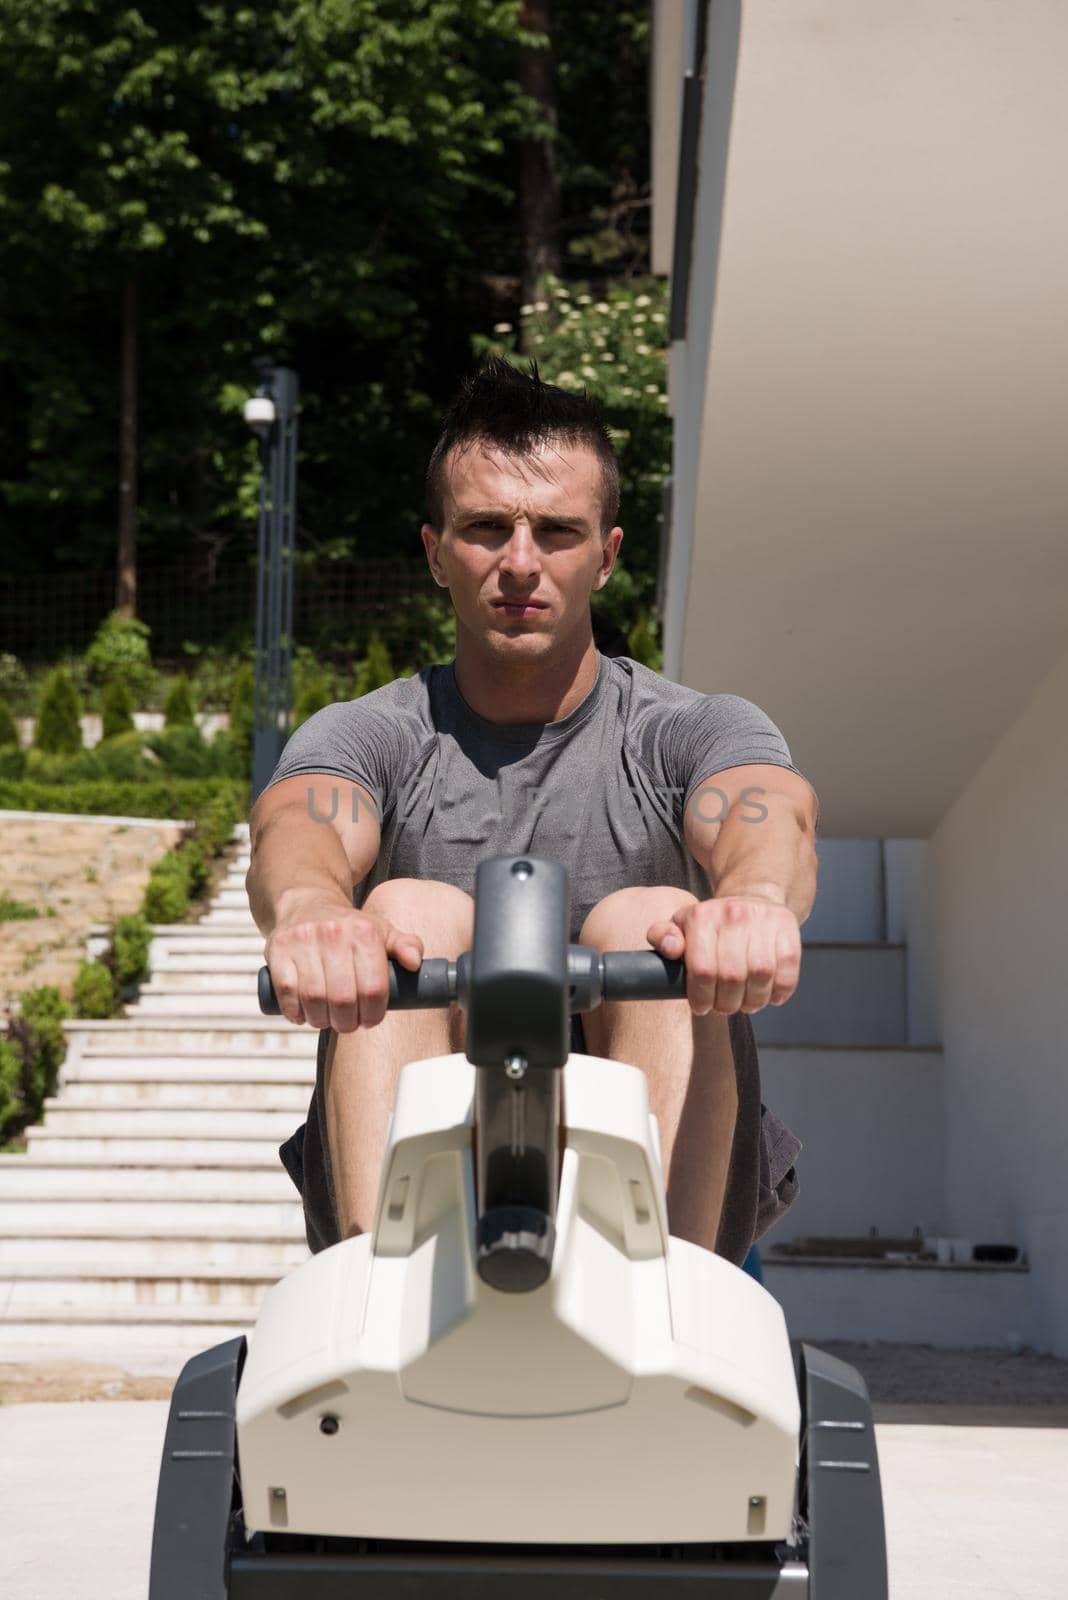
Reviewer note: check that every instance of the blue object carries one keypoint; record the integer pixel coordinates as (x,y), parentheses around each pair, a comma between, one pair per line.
(751,1264)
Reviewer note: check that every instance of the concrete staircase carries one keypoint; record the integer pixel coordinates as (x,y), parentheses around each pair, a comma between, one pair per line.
(150,1211)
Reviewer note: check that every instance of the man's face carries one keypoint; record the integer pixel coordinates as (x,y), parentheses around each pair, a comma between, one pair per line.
(525,530)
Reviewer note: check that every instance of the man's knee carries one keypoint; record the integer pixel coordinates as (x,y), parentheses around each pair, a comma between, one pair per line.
(619,921)
(441,914)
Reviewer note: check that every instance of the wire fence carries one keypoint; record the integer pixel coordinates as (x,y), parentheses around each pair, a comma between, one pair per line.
(335,609)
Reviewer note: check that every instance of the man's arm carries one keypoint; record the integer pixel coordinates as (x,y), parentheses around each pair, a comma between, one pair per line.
(312,838)
(753,830)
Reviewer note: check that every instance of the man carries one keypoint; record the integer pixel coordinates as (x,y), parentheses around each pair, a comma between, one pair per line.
(679,816)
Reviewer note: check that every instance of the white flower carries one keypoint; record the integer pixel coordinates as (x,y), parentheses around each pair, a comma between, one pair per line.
(626,389)
(584,299)
(502,327)
(643,300)
(602,305)
(658,316)
(588,372)
(524,311)
(608,356)
(598,339)
(663,399)
(651,388)
(643,349)
(566,377)
(541,305)
(639,318)
(561,291)
(539,338)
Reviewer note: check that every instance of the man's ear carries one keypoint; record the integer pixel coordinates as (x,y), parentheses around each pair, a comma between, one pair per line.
(430,538)
(609,552)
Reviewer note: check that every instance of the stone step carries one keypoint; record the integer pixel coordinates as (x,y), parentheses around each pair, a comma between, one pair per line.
(153,1004)
(210,1035)
(27,1177)
(160,1216)
(276,1068)
(221,977)
(189,932)
(228,917)
(126,1151)
(149,1122)
(96,1286)
(165,1094)
(273,1257)
(198,962)
(134,1338)
(230,896)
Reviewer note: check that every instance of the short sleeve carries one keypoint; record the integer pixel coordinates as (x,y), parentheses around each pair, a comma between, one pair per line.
(351,739)
(717,731)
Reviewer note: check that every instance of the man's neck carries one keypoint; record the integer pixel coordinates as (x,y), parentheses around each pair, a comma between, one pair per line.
(525,691)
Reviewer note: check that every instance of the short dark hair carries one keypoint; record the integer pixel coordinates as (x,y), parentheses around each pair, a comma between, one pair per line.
(499,405)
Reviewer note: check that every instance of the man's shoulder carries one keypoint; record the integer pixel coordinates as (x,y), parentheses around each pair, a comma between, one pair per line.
(645,690)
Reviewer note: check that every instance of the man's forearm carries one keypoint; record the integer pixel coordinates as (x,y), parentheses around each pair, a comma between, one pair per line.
(295,859)
(773,856)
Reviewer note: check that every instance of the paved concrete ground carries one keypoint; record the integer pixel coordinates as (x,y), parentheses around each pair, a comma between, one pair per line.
(972,1513)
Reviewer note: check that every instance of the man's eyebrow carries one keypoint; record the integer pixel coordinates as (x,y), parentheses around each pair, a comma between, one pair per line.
(495,512)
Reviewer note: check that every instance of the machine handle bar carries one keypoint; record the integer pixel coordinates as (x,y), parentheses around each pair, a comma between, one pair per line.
(437,982)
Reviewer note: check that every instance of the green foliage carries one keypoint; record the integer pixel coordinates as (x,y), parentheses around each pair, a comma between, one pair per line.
(120,651)
(642,643)
(314,695)
(9,733)
(43,1009)
(375,670)
(116,709)
(16,686)
(217,818)
(184,751)
(12,762)
(180,709)
(242,702)
(15,910)
(167,892)
(130,944)
(94,991)
(171,797)
(195,863)
(12,1106)
(58,730)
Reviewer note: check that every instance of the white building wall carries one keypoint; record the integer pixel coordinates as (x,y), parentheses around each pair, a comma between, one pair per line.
(999,901)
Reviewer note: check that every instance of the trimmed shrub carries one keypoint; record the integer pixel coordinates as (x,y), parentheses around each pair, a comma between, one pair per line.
(158,797)
(9,733)
(41,1011)
(120,650)
(59,730)
(94,991)
(12,762)
(184,751)
(313,697)
(642,643)
(179,710)
(167,892)
(194,861)
(375,670)
(12,1105)
(230,758)
(116,710)
(242,705)
(129,948)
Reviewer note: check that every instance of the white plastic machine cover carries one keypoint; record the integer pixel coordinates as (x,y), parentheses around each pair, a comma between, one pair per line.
(644,1394)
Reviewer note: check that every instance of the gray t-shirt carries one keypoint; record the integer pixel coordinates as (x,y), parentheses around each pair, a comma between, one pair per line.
(603,790)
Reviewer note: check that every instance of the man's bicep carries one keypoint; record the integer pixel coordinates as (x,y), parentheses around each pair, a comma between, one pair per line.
(327,800)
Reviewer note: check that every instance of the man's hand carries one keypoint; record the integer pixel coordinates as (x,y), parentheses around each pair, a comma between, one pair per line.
(742,952)
(328,963)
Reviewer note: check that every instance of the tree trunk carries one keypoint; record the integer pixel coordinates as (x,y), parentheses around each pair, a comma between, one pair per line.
(126,588)
(539,184)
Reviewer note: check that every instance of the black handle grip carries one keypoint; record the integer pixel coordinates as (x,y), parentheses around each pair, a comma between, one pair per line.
(431,986)
(623,974)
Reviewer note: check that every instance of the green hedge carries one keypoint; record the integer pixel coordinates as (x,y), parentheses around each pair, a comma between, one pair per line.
(30,1057)
(157,797)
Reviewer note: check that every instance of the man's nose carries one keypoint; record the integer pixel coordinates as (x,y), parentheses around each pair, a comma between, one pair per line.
(520,555)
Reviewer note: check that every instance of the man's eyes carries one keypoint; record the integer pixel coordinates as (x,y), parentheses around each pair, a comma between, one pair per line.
(548,527)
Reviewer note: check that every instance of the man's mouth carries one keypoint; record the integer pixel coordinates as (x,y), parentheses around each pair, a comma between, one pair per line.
(520,608)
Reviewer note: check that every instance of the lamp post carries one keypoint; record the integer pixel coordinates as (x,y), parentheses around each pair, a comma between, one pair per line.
(272,414)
